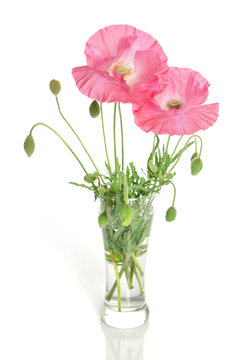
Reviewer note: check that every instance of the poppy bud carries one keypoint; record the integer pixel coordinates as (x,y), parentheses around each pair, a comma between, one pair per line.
(126,214)
(29,145)
(169,176)
(94,109)
(102,219)
(171,214)
(114,186)
(196,166)
(90,177)
(101,190)
(194,156)
(55,87)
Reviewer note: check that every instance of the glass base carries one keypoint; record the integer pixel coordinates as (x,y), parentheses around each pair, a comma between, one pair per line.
(124,319)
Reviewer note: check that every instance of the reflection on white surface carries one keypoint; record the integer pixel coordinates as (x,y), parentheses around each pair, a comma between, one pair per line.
(124,344)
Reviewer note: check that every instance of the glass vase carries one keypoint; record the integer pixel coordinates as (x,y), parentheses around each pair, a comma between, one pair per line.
(125,246)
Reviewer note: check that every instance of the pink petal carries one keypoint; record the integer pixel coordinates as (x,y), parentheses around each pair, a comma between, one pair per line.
(99,86)
(174,122)
(186,85)
(118,44)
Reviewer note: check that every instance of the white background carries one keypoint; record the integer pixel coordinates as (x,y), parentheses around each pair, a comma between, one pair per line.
(51,251)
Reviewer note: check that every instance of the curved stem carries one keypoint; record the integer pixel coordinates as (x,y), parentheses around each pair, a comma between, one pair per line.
(114,137)
(122,137)
(57,101)
(193,136)
(174,191)
(104,139)
(50,128)
(201,144)
(177,145)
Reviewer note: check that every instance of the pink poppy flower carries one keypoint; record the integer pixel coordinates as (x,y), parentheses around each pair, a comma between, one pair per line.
(124,65)
(178,109)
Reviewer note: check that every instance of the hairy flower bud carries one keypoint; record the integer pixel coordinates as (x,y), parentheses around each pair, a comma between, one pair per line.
(196,166)
(90,177)
(55,87)
(94,109)
(194,156)
(171,214)
(169,176)
(102,190)
(114,186)
(126,214)
(29,145)
(102,219)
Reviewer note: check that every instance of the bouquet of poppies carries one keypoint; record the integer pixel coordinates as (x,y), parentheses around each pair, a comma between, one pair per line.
(126,65)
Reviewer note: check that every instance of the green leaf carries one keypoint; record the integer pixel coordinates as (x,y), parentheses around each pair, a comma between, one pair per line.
(181,151)
(82,185)
(166,163)
(133,171)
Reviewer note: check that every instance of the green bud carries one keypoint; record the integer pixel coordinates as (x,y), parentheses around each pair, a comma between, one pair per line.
(90,177)
(196,166)
(169,176)
(171,214)
(194,156)
(114,186)
(102,219)
(102,190)
(29,145)
(94,109)
(126,214)
(55,87)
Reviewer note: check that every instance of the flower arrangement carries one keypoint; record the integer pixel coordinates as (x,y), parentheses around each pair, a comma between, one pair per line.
(126,65)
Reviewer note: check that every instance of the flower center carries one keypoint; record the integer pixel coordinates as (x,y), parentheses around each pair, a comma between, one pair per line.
(174,104)
(122,67)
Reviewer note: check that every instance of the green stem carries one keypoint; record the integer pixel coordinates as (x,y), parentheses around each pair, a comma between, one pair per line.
(125,187)
(47,126)
(138,280)
(196,145)
(201,144)
(167,146)
(153,143)
(193,136)
(117,280)
(127,277)
(114,136)
(122,137)
(57,101)
(110,293)
(176,146)
(104,138)
(169,181)
(131,276)
(137,264)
